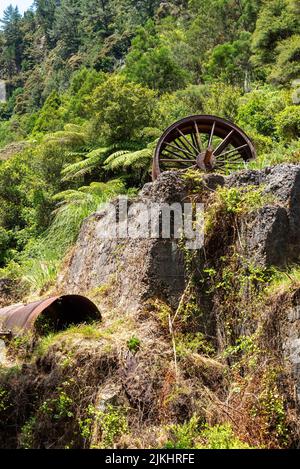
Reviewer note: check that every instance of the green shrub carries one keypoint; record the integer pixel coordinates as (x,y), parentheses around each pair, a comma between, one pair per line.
(183,436)
(51,116)
(134,344)
(227,62)
(217,98)
(152,63)
(22,345)
(5,238)
(61,406)
(258,109)
(193,434)
(122,109)
(193,342)
(86,424)
(278,154)
(220,437)
(26,437)
(288,123)
(113,423)
(235,201)
(3,399)
(287,65)
(270,407)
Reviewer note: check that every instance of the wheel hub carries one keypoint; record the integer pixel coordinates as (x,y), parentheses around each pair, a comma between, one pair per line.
(206,160)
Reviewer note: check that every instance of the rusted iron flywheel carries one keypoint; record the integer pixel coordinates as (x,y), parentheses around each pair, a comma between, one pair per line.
(205,142)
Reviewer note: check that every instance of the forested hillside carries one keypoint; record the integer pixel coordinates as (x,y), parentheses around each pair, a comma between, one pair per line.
(92,84)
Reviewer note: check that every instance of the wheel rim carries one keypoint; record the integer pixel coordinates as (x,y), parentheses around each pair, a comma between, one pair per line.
(205,142)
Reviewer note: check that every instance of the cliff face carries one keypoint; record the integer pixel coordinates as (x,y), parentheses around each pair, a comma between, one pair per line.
(272,233)
(129,270)
(211,333)
(135,271)
(140,268)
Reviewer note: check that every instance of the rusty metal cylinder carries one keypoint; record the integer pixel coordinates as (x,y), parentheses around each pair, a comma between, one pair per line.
(59,312)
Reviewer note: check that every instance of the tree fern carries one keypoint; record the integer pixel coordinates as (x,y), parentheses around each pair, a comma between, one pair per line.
(92,160)
(139,159)
(120,156)
(73,136)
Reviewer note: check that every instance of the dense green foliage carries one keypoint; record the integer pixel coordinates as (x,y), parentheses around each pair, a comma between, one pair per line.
(91,85)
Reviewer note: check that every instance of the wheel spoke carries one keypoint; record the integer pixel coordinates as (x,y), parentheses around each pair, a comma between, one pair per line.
(211,135)
(174,153)
(178,141)
(176,161)
(176,147)
(223,144)
(198,136)
(232,157)
(194,140)
(231,151)
(186,140)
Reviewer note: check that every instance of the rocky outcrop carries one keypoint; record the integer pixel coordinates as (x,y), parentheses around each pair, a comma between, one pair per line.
(133,270)
(271,235)
(130,270)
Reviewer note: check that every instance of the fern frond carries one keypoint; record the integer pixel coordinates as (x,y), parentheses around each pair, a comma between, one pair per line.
(115,156)
(67,137)
(73,128)
(92,160)
(105,189)
(139,159)
(125,159)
